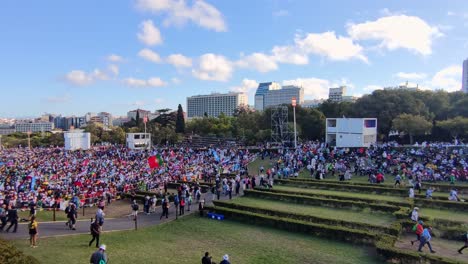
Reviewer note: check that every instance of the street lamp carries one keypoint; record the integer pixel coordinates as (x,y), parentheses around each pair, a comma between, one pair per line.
(293,102)
(29,140)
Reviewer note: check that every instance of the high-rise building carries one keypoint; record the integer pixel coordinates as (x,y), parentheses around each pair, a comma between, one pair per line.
(336,94)
(34,127)
(272,94)
(465,76)
(214,104)
(60,122)
(106,118)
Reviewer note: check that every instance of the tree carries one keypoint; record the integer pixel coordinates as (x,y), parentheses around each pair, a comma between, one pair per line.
(412,125)
(456,127)
(180,120)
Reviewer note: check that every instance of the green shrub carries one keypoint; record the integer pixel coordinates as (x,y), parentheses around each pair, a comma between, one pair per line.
(10,255)
(301,199)
(438,204)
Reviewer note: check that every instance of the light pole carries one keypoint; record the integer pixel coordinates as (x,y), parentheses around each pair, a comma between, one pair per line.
(293,102)
(29,140)
(1,142)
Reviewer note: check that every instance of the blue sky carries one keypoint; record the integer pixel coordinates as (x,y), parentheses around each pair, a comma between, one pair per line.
(73,57)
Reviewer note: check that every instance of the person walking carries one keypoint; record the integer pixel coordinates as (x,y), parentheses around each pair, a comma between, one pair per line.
(397,181)
(418,229)
(3,216)
(425,239)
(32,232)
(415,214)
(95,229)
(189,202)
(465,239)
(206,259)
(13,219)
(72,215)
(100,256)
(135,209)
(100,216)
(182,206)
(165,208)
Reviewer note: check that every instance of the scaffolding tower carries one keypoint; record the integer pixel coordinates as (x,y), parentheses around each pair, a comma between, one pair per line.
(280,132)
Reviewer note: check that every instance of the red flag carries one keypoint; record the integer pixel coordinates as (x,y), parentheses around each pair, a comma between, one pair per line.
(85,162)
(153,162)
(145,119)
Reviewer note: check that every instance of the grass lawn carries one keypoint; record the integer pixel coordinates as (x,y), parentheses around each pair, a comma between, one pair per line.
(351,215)
(254,166)
(44,216)
(343,194)
(186,240)
(445,214)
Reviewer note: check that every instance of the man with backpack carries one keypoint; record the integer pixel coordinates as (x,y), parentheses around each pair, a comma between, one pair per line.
(95,229)
(417,229)
(465,239)
(100,256)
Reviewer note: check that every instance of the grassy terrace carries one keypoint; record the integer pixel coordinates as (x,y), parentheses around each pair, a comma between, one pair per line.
(185,240)
(445,214)
(254,166)
(351,215)
(343,194)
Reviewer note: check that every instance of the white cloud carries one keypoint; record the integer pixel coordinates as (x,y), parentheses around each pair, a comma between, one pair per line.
(450,13)
(114,58)
(149,55)
(114,69)
(289,55)
(398,31)
(176,81)
(156,82)
(258,61)
(327,44)
(78,77)
(448,79)
(58,99)
(314,88)
(151,82)
(179,60)
(139,103)
(411,75)
(213,67)
(99,75)
(178,12)
(372,87)
(247,86)
(149,34)
(281,13)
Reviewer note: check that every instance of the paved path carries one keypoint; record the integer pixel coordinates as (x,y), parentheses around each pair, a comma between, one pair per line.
(54,229)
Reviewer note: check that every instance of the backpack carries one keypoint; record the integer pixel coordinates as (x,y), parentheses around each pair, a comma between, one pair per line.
(414,228)
(135,207)
(67,210)
(464,237)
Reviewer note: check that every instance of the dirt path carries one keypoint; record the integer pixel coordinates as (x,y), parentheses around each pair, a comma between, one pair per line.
(443,247)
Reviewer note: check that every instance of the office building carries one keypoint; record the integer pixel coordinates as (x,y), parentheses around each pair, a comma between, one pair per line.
(142,113)
(6,129)
(106,118)
(336,94)
(465,76)
(75,122)
(214,104)
(272,94)
(60,122)
(34,127)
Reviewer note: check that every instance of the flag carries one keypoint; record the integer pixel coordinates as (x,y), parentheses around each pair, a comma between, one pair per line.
(155,162)
(85,162)
(145,119)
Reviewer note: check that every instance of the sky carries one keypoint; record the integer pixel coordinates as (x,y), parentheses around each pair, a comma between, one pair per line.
(73,57)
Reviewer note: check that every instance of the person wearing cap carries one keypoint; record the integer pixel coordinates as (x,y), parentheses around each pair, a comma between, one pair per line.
(225,260)
(99,256)
(418,229)
(415,214)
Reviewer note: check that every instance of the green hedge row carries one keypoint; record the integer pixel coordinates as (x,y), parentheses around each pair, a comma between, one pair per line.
(344,187)
(301,199)
(393,230)
(204,188)
(11,255)
(321,230)
(384,243)
(428,203)
(337,197)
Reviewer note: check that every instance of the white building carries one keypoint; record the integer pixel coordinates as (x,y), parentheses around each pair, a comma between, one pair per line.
(106,119)
(336,94)
(214,104)
(272,94)
(465,76)
(77,139)
(138,140)
(34,127)
(351,132)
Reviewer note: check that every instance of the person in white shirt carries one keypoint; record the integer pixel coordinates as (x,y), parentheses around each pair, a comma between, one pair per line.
(415,214)
(411,192)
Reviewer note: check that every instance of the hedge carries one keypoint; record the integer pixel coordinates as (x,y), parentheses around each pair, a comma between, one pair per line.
(203,188)
(301,199)
(11,255)
(428,203)
(337,197)
(321,230)
(393,230)
(384,243)
(344,187)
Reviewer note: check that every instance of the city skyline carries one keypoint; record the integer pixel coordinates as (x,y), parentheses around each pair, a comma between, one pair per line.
(73,58)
